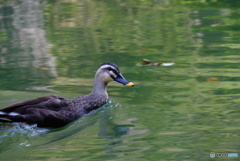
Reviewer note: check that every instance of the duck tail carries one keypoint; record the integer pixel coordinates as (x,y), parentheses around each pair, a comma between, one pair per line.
(2,119)
(9,117)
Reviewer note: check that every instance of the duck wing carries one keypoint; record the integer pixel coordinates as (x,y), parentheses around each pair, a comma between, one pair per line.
(52,102)
(33,110)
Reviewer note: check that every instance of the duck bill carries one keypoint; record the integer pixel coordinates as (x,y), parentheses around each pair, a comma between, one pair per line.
(121,79)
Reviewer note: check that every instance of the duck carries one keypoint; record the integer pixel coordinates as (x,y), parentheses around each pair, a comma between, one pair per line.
(54,111)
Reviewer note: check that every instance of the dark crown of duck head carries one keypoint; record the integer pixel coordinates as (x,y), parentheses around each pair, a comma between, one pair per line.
(115,74)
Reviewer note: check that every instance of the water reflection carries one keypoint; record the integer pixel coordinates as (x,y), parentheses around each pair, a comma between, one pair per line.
(25,48)
(110,130)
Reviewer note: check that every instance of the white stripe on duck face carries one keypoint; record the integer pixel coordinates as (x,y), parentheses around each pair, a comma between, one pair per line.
(113,74)
(109,66)
(106,66)
(113,70)
(9,114)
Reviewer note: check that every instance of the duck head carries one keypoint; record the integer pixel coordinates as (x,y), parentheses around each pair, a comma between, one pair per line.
(108,72)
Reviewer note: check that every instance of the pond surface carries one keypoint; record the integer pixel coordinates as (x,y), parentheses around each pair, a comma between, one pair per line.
(180,111)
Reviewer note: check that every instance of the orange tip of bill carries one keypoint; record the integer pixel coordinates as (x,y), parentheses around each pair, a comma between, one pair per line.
(129,84)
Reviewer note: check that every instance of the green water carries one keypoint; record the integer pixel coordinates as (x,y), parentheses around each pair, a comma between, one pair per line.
(178,112)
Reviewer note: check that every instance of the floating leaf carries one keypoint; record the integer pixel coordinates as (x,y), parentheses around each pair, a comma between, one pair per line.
(167,64)
(156,64)
(212,79)
(214,25)
(41,68)
(146,62)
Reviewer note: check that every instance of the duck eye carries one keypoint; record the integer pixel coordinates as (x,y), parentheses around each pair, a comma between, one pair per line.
(109,68)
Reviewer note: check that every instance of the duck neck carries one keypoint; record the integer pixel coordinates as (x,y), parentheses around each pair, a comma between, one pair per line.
(99,88)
